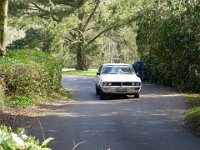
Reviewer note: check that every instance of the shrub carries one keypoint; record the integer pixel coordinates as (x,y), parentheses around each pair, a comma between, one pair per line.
(20,101)
(192,120)
(192,100)
(168,42)
(30,73)
(19,141)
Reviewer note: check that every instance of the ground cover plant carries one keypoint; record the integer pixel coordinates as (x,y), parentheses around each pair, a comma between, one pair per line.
(18,140)
(192,119)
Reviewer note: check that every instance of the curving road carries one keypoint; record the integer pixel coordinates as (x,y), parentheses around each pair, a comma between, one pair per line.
(153,122)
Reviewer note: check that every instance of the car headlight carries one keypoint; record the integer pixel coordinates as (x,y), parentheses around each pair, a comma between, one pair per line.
(104,83)
(107,83)
(136,83)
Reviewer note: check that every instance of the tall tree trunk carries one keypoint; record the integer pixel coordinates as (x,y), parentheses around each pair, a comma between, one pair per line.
(3,25)
(80,50)
(81,58)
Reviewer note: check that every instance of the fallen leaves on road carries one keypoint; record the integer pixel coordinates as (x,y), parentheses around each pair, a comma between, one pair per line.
(23,117)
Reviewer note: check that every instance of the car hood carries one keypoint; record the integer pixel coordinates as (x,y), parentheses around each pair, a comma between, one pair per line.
(120,78)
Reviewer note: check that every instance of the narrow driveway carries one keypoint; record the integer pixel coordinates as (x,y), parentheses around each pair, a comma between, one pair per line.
(153,122)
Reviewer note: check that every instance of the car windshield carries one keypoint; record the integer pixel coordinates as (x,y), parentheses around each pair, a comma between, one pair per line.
(119,69)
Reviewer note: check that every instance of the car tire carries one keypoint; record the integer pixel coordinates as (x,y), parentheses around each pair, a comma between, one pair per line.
(136,95)
(97,90)
(102,95)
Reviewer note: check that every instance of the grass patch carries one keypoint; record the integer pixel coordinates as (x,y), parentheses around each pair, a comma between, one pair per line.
(192,118)
(20,101)
(17,101)
(192,99)
(89,73)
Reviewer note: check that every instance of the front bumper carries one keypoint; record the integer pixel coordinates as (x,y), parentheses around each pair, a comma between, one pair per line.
(121,89)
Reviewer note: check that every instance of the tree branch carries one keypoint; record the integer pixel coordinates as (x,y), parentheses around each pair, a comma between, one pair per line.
(54,17)
(68,39)
(37,6)
(88,29)
(91,15)
(112,27)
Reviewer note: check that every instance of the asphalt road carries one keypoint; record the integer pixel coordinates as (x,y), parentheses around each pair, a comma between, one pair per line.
(152,122)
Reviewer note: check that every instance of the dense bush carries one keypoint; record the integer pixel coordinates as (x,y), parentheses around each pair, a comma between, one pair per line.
(19,141)
(192,120)
(29,73)
(168,42)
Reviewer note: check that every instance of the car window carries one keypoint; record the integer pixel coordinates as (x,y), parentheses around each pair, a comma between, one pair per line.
(111,69)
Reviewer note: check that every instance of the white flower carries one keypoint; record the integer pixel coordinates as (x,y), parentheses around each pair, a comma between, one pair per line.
(17,140)
(24,136)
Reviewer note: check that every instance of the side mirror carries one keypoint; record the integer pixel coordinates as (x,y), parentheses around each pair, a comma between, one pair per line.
(98,73)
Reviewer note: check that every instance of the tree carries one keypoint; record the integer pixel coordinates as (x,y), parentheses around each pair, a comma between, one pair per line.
(46,22)
(3,25)
(75,25)
(96,18)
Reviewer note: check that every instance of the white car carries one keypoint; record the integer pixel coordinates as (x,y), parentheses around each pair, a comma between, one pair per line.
(117,78)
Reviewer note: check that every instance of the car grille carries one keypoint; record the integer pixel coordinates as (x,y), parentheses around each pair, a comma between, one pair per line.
(121,83)
(116,83)
(127,83)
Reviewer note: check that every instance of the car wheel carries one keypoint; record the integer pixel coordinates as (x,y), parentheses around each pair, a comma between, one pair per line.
(102,95)
(136,95)
(97,90)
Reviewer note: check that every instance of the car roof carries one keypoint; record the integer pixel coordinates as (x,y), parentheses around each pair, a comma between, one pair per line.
(116,64)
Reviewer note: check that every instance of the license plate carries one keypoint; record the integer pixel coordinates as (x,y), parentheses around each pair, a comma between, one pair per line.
(121,90)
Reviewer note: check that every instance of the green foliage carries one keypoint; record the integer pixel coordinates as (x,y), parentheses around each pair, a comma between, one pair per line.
(192,100)
(168,42)
(46,26)
(72,27)
(96,19)
(192,120)
(2,98)
(30,73)
(20,101)
(19,141)
(32,40)
(2,93)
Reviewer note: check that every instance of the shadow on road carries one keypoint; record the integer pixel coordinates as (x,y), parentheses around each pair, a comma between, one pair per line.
(153,122)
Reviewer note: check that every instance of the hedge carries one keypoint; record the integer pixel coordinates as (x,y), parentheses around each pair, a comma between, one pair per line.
(29,73)
(168,42)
